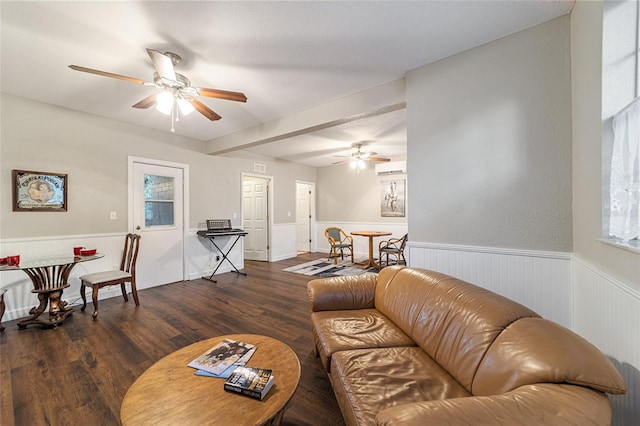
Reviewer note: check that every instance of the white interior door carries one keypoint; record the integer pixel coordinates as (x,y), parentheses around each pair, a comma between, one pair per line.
(303,216)
(255,217)
(157,214)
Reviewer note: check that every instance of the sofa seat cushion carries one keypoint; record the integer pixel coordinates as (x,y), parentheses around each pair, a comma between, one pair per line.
(367,381)
(354,329)
(532,405)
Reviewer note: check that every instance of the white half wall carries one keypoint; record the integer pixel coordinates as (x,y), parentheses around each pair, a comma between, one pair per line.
(539,280)
(283,242)
(606,312)
(200,261)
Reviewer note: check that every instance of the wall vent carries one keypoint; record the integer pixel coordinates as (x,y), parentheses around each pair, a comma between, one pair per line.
(391,168)
(259,168)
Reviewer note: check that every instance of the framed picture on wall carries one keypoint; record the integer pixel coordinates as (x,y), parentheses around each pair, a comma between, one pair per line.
(39,191)
(392,198)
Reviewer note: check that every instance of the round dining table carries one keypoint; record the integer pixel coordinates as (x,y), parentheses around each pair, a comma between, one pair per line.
(371,262)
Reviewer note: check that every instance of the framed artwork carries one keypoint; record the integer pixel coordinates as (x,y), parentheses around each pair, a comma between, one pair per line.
(39,191)
(392,198)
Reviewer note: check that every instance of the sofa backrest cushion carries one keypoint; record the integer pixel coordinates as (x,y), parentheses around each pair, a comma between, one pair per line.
(535,350)
(402,292)
(453,321)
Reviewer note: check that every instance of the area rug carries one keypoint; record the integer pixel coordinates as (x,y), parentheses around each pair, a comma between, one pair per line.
(323,268)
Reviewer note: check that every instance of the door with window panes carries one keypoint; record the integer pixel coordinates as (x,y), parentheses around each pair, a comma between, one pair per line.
(158,218)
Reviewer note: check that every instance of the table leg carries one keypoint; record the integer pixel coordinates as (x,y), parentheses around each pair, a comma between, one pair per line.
(58,310)
(370,263)
(2,307)
(49,283)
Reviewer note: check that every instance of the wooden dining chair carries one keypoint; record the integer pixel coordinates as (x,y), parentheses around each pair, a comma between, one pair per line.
(339,242)
(393,247)
(126,273)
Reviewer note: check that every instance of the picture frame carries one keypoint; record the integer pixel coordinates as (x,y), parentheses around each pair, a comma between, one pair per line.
(392,198)
(39,191)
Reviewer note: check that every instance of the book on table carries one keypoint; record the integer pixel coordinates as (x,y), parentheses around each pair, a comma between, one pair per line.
(221,357)
(250,381)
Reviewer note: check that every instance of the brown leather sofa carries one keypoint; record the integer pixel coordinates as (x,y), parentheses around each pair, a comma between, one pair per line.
(416,347)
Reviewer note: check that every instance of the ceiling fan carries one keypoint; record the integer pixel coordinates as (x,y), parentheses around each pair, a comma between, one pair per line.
(358,158)
(178,93)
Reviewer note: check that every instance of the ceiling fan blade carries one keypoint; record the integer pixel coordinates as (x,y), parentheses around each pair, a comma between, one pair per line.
(147,102)
(377,159)
(109,74)
(204,110)
(221,94)
(163,64)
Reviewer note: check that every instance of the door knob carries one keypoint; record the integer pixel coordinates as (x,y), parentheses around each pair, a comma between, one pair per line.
(138,227)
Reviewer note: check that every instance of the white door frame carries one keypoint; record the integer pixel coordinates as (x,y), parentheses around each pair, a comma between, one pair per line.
(270,203)
(185,200)
(313,247)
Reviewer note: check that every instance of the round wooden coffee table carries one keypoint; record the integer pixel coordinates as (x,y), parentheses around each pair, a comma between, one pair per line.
(169,392)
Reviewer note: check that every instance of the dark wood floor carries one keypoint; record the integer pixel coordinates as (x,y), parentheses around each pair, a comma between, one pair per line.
(79,372)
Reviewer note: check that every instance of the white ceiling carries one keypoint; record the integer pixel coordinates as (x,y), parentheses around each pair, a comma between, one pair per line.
(286,57)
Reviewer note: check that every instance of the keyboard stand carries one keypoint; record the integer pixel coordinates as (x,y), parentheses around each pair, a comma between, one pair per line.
(211,238)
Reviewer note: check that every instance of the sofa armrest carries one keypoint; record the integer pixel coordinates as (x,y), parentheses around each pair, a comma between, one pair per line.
(541,404)
(340,293)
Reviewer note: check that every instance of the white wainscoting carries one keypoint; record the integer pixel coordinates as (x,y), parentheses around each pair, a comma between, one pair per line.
(538,280)
(201,260)
(606,312)
(360,244)
(283,242)
(19,299)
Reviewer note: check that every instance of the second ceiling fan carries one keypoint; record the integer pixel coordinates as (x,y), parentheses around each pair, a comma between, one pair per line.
(178,93)
(358,158)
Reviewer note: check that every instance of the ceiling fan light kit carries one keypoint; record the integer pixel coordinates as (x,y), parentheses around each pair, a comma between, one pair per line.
(178,96)
(359,158)
(358,164)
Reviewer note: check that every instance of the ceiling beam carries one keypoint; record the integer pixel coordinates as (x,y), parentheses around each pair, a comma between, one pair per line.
(379,100)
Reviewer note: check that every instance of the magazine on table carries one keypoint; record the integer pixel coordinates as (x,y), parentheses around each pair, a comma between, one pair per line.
(222,356)
(226,373)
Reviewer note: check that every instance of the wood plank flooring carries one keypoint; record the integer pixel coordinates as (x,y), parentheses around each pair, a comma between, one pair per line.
(79,372)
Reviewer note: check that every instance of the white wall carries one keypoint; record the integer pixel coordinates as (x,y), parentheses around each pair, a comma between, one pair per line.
(486,205)
(606,279)
(93,152)
(489,144)
(344,195)
(601,85)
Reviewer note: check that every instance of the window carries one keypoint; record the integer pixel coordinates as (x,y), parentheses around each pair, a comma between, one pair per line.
(621,130)
(624,214)
(158,200)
